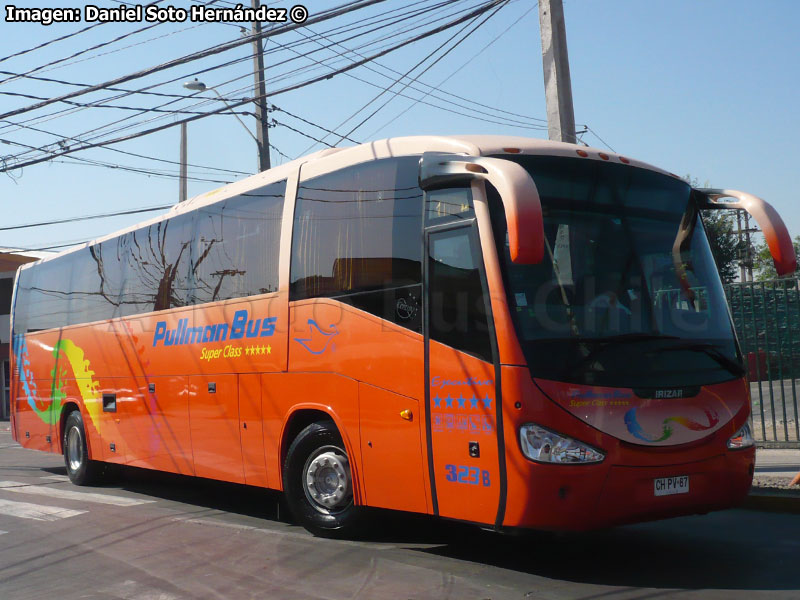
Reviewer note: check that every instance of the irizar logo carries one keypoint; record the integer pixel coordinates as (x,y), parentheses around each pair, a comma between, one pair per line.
(668,393)
(241,327)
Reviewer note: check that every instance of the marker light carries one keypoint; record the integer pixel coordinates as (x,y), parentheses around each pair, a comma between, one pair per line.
(545,446)
(742,438)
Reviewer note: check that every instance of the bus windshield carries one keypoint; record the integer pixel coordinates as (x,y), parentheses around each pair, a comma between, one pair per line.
(612,304)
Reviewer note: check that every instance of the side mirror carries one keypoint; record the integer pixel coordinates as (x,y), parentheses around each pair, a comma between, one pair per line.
(515,186)
(775,232)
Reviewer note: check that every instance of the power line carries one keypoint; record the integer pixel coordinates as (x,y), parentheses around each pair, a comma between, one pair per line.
(369,22)
(329,14)
(133,211)
(468,16)
(312,124)
(135,154)
(488,16)
(95,47)
(53,41)
(454,73)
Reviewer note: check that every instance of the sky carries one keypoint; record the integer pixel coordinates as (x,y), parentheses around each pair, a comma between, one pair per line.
(707,89)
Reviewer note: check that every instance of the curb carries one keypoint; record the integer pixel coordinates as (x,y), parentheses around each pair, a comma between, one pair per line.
(773,500)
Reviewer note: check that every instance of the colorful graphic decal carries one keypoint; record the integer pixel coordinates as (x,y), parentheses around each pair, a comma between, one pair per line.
(87,387)
(318,341)
(652,416)
(635,429)
(239,328)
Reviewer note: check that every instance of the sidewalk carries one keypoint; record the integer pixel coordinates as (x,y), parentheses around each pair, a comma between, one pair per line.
(771,491)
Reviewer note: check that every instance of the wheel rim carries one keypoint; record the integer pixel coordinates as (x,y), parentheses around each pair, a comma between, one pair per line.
(74,449)
(326,480)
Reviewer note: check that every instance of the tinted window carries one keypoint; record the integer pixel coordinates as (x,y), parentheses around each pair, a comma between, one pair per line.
(155,266)
(457,313)
(448,204)
(94,290)
(358,238)
(227,250)
(43,296)
(237,245)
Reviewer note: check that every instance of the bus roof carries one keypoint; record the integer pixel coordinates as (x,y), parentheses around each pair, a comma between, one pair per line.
(331,159)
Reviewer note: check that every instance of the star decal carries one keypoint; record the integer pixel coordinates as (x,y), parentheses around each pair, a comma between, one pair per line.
(461,401)
(473,401)
(487,402)
(437,402)
(449,401)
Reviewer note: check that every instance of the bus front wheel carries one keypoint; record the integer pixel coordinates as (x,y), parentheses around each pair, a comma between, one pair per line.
(318,483)
(80,469)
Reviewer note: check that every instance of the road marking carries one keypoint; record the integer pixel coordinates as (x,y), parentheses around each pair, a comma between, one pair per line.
(2,532)
(36,512)
(56,477)
(54,492)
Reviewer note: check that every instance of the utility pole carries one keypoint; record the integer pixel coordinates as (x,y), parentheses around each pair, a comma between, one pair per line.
(557,85)
(262,126)
(745,247)
(183,193)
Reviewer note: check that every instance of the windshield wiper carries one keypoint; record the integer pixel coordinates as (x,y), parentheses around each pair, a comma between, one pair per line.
(622,338)
(712,351)
(631,337)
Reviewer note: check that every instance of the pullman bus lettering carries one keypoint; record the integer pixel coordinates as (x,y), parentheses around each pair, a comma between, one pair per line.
(241,327)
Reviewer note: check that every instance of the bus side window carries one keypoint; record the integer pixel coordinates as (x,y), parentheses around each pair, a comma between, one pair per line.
(358,238)
(237,244)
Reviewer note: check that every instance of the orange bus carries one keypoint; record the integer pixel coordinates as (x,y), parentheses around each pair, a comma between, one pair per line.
(499,330)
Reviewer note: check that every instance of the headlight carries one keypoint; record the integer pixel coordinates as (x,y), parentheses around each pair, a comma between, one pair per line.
(545,446)
(742,438)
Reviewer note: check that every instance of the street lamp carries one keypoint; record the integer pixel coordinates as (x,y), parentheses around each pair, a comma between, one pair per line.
(198,86)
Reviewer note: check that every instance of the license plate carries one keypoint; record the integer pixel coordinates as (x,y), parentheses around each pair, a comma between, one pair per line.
(666,486)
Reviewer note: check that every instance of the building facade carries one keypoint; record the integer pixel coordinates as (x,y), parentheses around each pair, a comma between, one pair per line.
(10,260)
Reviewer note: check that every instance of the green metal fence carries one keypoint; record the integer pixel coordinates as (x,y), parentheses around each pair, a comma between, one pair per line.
(766,315)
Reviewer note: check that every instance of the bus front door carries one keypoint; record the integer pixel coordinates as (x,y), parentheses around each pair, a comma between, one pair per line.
(461,400)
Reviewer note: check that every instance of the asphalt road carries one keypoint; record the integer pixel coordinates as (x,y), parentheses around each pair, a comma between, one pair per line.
(158,537)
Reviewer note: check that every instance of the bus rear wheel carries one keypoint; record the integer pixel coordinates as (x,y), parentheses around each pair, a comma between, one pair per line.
(318,483)
(80,469)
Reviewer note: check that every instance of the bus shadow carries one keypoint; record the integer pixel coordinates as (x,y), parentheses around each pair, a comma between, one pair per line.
(734,550)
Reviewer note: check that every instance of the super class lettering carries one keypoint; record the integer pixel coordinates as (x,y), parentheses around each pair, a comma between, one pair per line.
(441,382)
(241,327)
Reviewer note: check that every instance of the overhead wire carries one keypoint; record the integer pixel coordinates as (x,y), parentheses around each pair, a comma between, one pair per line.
(49,42)
(118,213)
(247,58)
(455,72)
(370,21)
(120,151)
(224,47)
(85,50)
(488,16)
(466,17)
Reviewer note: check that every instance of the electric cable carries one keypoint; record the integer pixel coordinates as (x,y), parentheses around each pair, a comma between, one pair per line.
(331,13)
(466,17)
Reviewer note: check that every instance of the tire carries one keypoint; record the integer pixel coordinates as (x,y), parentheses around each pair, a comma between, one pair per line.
(80,469)
(318,483)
